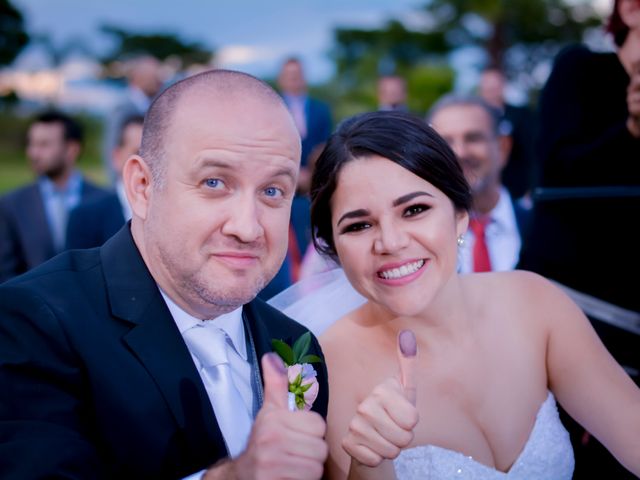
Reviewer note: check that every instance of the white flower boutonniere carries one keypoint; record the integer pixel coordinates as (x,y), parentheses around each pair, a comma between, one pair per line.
(303,385)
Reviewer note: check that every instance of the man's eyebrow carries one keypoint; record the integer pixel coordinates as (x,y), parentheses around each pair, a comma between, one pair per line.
(286,172)
(408,197)
(212,162)
(217,163)
(353,214)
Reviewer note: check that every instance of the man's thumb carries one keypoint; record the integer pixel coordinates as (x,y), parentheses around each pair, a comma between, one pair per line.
(276,382)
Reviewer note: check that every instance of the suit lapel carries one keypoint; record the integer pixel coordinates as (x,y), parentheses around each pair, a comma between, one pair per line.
(257,319)
(156,341)
(34,227)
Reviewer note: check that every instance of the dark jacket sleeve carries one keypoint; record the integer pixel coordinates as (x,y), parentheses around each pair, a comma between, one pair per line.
(583,139)
(10,255)
(40,439)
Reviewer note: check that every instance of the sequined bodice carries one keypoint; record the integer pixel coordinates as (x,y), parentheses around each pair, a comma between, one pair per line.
(547,454)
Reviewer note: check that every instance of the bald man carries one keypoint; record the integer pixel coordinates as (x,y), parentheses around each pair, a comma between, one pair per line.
(150,356)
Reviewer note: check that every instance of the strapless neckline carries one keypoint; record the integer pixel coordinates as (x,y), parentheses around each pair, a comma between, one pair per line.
(547,454)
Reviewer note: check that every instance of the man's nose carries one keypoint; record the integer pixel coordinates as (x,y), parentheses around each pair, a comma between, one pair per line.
(243,221)
(460,148)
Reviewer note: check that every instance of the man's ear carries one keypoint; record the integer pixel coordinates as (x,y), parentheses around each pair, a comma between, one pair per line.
(72,150)
(505,143)
(137,181)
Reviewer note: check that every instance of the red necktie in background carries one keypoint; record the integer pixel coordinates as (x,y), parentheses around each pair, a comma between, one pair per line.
(295,255)
(481,260)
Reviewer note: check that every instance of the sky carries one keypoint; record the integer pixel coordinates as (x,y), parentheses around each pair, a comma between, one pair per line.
(249,35)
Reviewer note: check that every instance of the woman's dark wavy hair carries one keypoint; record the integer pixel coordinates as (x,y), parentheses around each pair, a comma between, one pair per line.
(403,138)
(616,27)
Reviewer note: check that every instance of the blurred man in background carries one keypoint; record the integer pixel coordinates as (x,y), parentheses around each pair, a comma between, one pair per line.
(392,93)
(312,116)
(497,224)
(93,222)
(314,123)
(144,81)
(519,123)
(33,219)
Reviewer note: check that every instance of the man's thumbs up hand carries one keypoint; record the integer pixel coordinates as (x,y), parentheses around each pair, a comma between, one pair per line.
(283,444)
(276,382)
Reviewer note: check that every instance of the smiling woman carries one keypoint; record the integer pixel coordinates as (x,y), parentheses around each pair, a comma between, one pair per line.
(494,350)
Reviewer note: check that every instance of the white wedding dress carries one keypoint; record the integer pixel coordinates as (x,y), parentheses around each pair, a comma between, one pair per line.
(547,455)
(319,301)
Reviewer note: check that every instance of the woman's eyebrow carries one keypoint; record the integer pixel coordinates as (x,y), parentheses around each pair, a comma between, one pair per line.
(353,214)
(408,197)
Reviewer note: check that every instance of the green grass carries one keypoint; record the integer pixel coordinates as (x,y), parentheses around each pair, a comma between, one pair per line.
(14,176)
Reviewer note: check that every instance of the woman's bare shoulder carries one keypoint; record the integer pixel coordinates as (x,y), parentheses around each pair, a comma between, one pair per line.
(522,295)
(334,338)
(518,285)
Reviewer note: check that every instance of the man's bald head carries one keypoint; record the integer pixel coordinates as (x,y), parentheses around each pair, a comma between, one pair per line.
(222,85)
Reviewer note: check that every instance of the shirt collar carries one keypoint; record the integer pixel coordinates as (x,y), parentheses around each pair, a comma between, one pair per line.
(72,187)
(502,215)
(230,322)
(300,99)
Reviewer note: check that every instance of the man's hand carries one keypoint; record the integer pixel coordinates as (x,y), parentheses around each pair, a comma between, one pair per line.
(283,444)
(384,421)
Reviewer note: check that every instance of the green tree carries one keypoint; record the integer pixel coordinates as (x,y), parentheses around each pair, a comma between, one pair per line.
(515,34)
(535,27)
(362,55)
(13,36)
(159,45)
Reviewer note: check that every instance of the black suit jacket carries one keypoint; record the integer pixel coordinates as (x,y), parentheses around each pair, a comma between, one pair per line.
(93,223)
(95,378)
(582,240)
(25,237)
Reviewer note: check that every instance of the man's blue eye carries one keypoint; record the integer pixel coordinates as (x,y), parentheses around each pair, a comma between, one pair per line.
(213,182)
(272,191)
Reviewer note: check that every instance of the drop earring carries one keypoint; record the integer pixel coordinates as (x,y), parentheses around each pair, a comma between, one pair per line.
(460,240)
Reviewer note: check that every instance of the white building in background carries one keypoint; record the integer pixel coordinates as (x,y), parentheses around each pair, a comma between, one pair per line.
(74,85)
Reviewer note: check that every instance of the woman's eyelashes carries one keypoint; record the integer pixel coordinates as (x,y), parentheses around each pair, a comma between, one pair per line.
(355,227)
(415,209)
(410,211)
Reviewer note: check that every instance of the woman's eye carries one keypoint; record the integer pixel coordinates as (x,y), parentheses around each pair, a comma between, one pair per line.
(356,227)
(273,192)
(414,210)
(214,183)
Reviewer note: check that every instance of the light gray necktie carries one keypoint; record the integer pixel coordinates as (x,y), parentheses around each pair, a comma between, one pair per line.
(209,344)
(59,214)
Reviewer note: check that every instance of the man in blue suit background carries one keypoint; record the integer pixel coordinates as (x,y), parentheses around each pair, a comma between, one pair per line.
(314,123)
(33,219)
(93,223)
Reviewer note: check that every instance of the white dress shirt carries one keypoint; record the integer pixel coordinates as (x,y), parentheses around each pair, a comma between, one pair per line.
(502,237)
(233,326)
(57,205)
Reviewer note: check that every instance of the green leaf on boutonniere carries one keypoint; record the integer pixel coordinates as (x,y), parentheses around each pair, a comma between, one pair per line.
(284,351)
(311,359)
(301,347)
